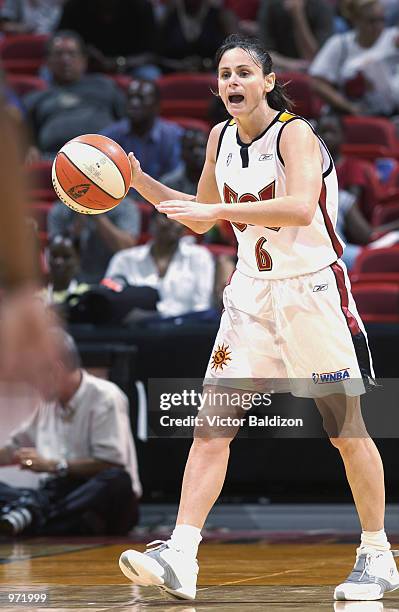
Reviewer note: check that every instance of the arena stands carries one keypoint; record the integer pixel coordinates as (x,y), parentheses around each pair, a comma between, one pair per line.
(372,141)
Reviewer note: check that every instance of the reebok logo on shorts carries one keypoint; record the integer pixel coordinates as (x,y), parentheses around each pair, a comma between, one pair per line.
(330,377)
(320,287)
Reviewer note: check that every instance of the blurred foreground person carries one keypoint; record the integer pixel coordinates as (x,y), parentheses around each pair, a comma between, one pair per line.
(27,350)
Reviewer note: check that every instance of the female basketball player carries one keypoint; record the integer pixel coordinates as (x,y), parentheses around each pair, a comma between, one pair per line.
(288,309)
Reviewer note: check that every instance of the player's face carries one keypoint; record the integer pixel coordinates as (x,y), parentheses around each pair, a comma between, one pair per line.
(242,84)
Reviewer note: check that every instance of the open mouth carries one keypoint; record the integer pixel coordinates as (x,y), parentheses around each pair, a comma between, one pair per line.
(236,98)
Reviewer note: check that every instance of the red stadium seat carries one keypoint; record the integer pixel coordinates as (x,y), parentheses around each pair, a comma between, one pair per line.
(39,181)
(221,249)
(43,237)
(187,94)
(385,214)
(377,303)
(298,87)
(377,265)
(23,84)
(121,80)
(23,53)
(39,211)
(188,123)
(146,211)
(244,10)
(370,137)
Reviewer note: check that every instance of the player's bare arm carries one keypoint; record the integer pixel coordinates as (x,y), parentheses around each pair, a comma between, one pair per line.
(297,208)
(157,193)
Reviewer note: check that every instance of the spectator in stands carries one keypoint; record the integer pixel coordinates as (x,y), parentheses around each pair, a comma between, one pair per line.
(13,104)
(191,32)
(75,102)
(247,13)
(156,143)
(352,224)
(217,111)
(294,30)
(186,176)
(122,35)
(181,272)
(64,269)
(30,16)
(355,175)
(79,440)
(98,237)
(391,8)
(356,71)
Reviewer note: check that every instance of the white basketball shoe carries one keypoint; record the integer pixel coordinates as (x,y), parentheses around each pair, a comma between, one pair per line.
(374,574)
(163,566)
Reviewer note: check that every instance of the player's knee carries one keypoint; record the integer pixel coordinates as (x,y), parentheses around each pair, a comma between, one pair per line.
(347,445)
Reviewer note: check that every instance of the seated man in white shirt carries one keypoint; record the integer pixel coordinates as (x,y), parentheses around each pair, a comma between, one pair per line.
(79,439)
(183,273)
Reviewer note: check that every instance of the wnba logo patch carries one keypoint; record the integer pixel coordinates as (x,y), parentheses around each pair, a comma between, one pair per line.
(221,357)
(330,377)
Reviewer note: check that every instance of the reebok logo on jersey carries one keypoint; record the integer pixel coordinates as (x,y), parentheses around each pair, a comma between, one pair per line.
(229,158)
(320,288)
(265,156)
(330,377)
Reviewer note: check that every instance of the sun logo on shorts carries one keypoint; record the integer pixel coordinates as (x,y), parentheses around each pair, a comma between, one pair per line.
(220,357)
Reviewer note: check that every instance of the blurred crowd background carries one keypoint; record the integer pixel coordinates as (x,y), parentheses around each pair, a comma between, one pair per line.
(142,73)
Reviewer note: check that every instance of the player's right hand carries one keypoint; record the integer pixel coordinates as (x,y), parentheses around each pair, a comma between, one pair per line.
(136,169)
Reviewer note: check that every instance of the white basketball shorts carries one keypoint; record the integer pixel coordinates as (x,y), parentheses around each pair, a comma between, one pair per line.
(305,330)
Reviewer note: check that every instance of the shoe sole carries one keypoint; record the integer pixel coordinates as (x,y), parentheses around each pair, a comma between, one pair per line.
(135,570)
(340,595)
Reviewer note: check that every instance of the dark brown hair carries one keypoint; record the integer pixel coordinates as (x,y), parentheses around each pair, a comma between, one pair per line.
(276,98)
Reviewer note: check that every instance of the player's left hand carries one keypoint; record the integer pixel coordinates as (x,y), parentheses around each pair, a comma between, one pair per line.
(29,459)
(181,210)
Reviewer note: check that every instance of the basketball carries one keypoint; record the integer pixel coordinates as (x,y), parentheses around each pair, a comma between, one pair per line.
(91,174)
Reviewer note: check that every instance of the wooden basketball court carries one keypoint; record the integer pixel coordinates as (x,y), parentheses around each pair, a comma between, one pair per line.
(79,574)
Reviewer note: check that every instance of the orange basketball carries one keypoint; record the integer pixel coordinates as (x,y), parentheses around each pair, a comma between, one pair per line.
(91,174)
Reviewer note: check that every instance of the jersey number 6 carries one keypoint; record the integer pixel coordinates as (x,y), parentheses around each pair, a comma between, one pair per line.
(263,257)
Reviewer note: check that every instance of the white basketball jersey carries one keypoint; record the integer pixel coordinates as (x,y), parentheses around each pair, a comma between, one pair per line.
(255,171)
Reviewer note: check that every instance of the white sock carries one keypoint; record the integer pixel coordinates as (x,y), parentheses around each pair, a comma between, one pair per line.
(375,539)
(186,538)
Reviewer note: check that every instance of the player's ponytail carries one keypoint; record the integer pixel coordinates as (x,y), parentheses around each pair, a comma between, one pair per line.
(277,98)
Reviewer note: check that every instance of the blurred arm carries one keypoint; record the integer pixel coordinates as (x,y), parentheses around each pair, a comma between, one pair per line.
(17,264)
